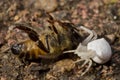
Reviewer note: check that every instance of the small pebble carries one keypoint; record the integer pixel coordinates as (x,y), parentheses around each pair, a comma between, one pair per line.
(47,5)
(111,37)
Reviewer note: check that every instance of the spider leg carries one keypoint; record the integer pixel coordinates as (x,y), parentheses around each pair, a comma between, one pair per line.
(89,65)
(79,49)
(86,61)
(82,66)
(69,51)
(91,37)
(95,35)
(79,60)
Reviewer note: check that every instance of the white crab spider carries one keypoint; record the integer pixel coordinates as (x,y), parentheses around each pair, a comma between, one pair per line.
(92,48)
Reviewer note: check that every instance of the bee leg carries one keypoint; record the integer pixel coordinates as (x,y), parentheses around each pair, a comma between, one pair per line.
(32,33)
(33,66)
(92,36)
(22,58)
(48,47)
(37,66)
(41,45)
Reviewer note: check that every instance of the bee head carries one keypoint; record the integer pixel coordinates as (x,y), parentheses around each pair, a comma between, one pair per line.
(16,49)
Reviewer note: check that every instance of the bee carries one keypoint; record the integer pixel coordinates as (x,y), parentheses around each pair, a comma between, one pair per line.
(49,43)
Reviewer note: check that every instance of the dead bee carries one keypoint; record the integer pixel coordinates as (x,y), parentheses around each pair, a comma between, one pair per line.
(50,43)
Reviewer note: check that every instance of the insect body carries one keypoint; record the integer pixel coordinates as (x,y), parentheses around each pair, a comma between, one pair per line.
(94,49)
(59,38)
(27,50)
(50,43)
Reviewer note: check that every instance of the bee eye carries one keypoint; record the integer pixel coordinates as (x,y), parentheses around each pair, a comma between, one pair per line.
(16,49)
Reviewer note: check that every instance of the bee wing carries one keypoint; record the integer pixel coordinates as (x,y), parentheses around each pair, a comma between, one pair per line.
(32,33)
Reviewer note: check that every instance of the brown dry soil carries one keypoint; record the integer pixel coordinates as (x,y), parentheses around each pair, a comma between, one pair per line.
(102,16)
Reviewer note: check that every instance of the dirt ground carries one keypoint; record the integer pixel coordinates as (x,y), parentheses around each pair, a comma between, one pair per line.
(102,16)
